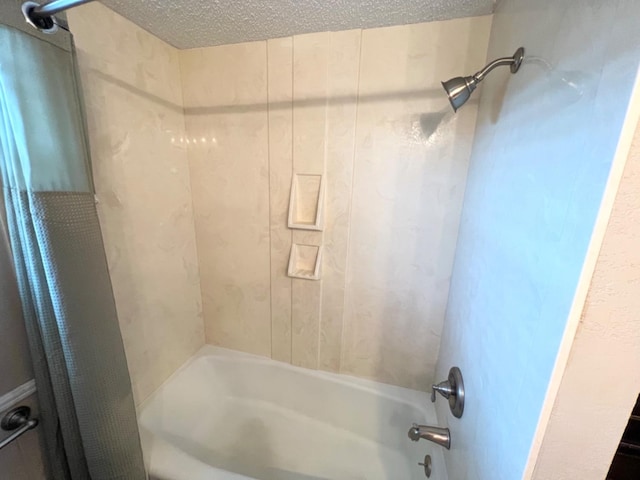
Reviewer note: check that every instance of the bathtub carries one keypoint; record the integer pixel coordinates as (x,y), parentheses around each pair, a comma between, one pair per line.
(227,415)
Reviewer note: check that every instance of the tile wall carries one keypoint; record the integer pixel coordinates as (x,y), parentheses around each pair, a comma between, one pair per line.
(133,99)
(365,110)
(194,152)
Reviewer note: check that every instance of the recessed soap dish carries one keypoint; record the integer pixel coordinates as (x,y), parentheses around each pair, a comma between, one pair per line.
(305,261)
(306,203)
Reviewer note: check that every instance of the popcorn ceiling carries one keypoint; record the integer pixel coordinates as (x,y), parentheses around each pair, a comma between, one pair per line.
(201,23)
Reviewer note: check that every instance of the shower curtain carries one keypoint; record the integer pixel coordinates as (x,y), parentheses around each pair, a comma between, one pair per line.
(87,413)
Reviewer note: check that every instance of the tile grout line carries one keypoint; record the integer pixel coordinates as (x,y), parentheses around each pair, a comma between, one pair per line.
(266,43)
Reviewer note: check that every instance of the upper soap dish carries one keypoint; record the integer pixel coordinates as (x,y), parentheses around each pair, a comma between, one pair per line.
(306,203)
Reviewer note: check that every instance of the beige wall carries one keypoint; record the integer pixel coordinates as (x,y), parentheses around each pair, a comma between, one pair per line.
(225,128)
(23,458)
(133,99)
(14,349)
(601,381)
(361,108)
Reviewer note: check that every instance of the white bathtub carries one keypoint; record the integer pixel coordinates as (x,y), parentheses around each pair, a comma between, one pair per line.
(228,415)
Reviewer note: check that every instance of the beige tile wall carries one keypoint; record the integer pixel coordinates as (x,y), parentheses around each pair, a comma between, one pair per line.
(211,137)
(225,95)
(366,110)
(133,98)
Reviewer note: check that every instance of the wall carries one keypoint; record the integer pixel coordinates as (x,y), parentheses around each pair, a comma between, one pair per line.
(602,377)
(366,110)
(14,348)
(541,157)
(22,459)
(346,105)
(133,98)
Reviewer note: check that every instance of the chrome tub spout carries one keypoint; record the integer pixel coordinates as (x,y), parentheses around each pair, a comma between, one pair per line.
(437,435)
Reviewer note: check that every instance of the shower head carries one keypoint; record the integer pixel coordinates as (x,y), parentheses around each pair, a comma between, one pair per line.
(459,89)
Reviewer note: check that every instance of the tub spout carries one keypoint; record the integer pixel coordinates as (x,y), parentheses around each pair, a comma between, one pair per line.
(440,436)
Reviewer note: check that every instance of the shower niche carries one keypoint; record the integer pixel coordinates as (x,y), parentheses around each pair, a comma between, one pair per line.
(305,262)
(306,203)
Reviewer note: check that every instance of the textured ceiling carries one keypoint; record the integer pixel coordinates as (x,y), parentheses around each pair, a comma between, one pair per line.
(200,23)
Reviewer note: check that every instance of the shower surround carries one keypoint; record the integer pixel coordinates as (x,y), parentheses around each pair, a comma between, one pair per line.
(198,147)
(133,101)
(348,106)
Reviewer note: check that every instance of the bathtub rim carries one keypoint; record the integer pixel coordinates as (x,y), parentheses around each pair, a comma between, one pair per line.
(406,396)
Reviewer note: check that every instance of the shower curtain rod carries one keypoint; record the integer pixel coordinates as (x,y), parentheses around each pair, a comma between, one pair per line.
(56,6)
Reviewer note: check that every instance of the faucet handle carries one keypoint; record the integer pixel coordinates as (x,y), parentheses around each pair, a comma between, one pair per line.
(453,390)
(444,388)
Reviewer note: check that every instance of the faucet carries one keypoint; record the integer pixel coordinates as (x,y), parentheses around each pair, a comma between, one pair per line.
(440,436)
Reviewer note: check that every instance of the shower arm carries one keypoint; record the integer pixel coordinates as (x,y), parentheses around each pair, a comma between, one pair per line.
(496,63)
(514,62)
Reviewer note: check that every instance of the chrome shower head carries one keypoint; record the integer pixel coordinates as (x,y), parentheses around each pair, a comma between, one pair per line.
(459,89)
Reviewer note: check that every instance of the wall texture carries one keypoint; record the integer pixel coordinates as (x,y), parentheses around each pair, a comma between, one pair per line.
(366,110)
(133,97)
(602,377)
(541,158)
(201,23)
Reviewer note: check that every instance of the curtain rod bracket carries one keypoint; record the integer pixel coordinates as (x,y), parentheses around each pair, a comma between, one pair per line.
(42,17)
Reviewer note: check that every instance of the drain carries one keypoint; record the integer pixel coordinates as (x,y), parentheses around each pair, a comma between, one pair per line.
(426,465)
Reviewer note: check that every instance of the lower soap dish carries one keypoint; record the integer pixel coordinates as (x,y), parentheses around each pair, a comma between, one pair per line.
(305,261)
